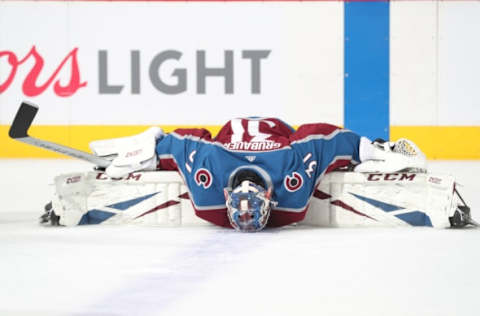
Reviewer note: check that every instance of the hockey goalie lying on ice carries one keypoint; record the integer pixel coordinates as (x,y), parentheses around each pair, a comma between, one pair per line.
(257,173)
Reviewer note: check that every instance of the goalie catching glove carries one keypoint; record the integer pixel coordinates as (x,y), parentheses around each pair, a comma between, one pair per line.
(129,154)
(383,156)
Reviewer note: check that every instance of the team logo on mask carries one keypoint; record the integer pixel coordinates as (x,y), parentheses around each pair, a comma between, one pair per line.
(294,182)
(203,178)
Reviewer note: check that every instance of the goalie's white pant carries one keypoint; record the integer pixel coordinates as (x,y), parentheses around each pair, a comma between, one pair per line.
(343,199)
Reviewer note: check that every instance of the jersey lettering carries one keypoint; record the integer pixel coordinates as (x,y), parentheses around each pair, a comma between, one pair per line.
(253,146)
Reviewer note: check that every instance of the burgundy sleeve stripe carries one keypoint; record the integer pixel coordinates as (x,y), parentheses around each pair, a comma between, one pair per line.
(201,133)
(307,131)
(167,164)
(337,164)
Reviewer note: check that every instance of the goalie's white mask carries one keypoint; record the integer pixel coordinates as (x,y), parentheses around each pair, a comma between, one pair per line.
(248,206)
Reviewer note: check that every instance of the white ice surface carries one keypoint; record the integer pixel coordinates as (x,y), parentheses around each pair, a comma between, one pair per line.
(133,270)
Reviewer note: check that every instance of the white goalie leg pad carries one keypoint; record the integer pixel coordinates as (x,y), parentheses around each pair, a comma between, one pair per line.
(404,155)
(129,154)
(350,199)
(149,198)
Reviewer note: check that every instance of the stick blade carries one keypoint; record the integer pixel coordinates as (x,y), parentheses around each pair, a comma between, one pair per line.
(22,121)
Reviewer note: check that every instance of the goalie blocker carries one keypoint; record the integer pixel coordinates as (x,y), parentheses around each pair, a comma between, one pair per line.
(343,199)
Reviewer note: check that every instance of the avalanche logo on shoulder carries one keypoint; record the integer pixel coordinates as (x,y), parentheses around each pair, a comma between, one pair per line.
(294,182)
(203,178)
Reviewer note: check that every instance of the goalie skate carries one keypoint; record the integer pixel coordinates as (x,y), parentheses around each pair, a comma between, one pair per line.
(49,218)
(462,216)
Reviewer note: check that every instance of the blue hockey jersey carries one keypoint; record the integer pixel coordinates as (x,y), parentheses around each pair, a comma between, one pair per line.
(290,161)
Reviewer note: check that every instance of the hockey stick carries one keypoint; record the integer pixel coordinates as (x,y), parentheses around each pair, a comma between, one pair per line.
(19,131)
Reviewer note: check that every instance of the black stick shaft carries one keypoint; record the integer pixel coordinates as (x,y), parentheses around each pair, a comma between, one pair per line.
(19,131)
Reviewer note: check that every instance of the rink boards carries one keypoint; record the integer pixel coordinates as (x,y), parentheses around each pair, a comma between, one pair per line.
(104,69)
